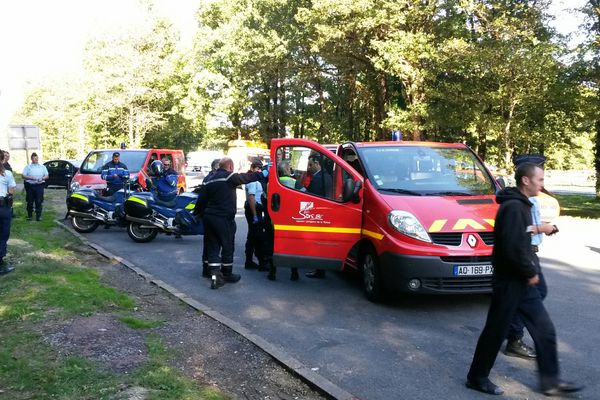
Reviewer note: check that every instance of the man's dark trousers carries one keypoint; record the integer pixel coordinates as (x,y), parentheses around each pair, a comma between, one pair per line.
(509,296)
(219,234)
(255,240)
(35,195)
(515,332)
(5,220)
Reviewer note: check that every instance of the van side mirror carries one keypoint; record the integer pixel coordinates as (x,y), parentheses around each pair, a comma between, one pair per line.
(350,190)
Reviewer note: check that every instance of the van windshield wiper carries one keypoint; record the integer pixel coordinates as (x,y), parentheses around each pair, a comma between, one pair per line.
(449,193)
(402,191)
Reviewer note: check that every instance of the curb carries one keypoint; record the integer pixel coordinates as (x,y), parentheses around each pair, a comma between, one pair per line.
(287,361)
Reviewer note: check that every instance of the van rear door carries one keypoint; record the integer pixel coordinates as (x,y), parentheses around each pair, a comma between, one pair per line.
(315,225)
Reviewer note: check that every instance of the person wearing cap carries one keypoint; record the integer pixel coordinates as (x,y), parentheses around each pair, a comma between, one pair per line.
(7,189)
(515,346)
(114,172)
(253,211)
(35,176)
(214,166)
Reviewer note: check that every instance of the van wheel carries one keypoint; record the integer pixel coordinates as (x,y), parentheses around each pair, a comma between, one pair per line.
(139,234)
(371,275)
(84,225)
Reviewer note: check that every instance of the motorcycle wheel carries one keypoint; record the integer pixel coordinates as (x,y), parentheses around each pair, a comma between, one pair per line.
(84,225)
(139,234)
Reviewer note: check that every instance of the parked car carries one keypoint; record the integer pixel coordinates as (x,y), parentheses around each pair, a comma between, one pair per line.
(60,172)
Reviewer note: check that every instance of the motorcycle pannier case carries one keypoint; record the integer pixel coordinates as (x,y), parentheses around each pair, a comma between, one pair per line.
(79,202)
(137,207)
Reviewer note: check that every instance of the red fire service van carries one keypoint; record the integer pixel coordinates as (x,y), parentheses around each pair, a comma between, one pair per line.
(411,216)
(137,162)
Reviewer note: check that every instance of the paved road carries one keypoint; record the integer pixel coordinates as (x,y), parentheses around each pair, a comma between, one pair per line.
(408,348)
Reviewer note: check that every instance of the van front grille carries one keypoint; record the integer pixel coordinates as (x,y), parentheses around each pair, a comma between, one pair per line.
(459,284)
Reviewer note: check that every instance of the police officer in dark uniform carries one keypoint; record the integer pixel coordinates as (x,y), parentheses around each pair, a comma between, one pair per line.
(217,207)
(516,274)
(114,181)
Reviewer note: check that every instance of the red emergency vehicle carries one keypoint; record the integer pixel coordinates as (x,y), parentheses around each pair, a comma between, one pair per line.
(137,161)
(411,216)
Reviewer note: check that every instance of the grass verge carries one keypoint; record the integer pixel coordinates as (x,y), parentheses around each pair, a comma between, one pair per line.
(50,287)
(579,206)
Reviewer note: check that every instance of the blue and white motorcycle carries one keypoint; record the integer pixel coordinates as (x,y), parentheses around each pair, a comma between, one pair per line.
(147,216)
(88,209)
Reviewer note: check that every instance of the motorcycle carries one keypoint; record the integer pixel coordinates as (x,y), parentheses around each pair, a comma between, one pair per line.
(147,215)
(88,209)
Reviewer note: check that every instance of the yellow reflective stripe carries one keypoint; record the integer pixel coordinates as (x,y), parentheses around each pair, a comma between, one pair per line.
(437,225)
(490,221)
(303,228)
(79,196)
(462,223)
(190,206)
(372,234)
(138,200)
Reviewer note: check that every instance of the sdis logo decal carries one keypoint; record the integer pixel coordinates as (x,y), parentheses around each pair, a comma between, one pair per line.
(306,212)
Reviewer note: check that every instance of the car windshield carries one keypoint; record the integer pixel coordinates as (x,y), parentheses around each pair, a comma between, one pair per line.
(426,171)
(134,160)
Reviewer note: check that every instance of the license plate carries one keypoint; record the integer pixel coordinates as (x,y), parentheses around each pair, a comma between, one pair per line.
(469,270)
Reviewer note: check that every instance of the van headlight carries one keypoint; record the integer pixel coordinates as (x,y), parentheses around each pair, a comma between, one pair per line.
(408,224)
(74,186)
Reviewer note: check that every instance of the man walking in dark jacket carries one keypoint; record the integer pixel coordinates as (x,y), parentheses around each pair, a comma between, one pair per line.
(516,269)
(217,205)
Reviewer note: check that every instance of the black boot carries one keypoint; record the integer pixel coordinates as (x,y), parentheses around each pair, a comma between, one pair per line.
(217,279)
(317,273)
(228,274)
(250,265)
(205,270)
(5,268)
(272,272)
(294,276)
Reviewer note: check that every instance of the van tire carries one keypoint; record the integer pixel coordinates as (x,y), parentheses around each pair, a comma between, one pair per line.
(84,225)
(140,235)
(371,275)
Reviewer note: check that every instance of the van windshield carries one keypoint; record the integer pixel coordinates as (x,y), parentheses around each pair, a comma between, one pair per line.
(422,170)
(134,160)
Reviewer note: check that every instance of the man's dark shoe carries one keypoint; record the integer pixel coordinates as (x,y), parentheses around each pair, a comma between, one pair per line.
(5,268)
(484,386)
(232,278)
(317,273)
(271,276)
(294,276)
(517,348)
(561,388)
(250,265)
(216,280)
(263,267)
(106,226)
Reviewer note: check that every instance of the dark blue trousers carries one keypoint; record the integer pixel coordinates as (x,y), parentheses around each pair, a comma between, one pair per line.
(219,238)
(508,298)
(517,325)
(35,195)
(5,220)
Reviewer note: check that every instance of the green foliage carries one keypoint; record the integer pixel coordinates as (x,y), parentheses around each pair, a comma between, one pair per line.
(490,73)
(580,206)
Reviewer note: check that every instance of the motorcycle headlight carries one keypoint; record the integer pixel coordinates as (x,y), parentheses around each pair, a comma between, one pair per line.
(408,224)
(74,186)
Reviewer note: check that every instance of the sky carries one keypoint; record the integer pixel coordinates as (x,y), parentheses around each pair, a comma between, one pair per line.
(41,39)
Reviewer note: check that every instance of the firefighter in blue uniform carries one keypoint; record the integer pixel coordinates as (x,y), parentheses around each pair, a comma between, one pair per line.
(218,207)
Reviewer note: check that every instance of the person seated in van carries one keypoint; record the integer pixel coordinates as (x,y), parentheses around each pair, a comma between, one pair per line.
(284,174)
(162,182)
(114,173)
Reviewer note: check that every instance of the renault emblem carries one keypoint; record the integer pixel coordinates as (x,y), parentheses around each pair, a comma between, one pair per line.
(471,240)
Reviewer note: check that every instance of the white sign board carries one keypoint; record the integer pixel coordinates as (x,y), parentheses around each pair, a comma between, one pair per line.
(24,137)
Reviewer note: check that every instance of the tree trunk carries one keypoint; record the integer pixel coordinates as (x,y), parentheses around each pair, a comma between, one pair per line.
(321,111)
(282,111)
(507,146)
(597,159)
(482,143)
